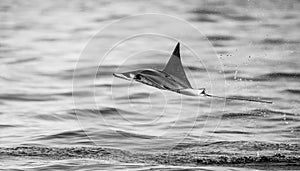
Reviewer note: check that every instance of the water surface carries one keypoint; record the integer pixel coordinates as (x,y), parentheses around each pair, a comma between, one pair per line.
(255,54)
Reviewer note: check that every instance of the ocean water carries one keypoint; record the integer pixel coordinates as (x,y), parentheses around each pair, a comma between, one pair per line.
(61,108)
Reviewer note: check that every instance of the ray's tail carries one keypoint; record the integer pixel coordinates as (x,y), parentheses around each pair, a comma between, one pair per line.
(239,98)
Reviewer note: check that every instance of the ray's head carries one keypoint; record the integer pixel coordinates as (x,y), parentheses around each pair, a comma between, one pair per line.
(125,75)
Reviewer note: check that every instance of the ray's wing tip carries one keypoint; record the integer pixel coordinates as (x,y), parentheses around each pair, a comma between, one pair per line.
(176,51)
(177,46)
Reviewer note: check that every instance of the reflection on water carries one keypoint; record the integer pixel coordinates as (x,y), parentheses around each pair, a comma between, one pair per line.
(138,127)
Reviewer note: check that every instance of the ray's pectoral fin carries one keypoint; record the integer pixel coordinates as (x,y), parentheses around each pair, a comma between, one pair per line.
(174,67)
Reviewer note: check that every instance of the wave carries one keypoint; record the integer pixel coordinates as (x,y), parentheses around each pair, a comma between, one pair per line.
(222,12)
(39,96)
(274,41)
(292,91)
(268,77)
(280,75)
(242,115)
(134,135)
(23,60)
(177,157)
(230,132)
(7,126)
(220,37)
(106,111)
(256,113)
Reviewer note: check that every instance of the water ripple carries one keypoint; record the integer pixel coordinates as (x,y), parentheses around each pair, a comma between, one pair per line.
(26,97)
(65,135)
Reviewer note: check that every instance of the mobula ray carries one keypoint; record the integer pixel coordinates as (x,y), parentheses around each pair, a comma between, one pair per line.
(172,78)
